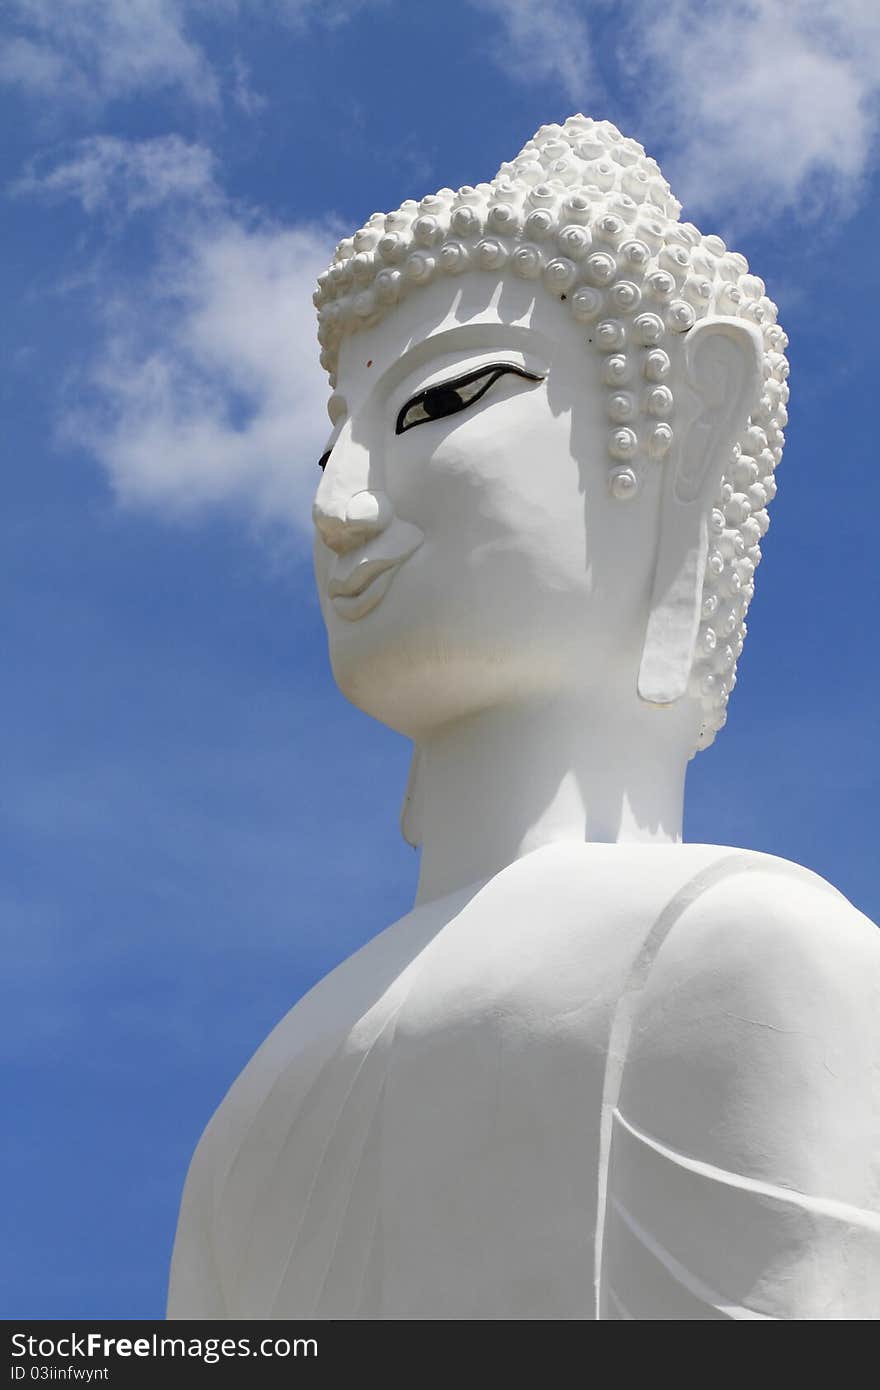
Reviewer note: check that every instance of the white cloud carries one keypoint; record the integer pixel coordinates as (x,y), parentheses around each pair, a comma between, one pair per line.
(81,55)
(207,392)
(89,52)
(754,105)
(125,176)
(32,66)
(768,104)
(543,40)
(244,95)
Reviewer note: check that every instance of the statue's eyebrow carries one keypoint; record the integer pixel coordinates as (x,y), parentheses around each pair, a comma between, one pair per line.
(469,339)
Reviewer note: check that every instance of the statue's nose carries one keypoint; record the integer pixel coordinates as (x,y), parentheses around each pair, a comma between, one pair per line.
(347,511)
(344,523)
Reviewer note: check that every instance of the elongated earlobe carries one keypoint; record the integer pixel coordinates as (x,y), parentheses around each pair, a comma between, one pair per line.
(723,372)
(410,811)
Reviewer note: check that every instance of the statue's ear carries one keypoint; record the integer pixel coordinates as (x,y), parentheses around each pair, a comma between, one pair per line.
(723,359)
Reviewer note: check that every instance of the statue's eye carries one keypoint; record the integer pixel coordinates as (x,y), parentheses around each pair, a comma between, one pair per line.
(324,460)
(449,397)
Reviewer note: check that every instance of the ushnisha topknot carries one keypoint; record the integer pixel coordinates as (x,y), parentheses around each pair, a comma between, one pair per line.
(584,211)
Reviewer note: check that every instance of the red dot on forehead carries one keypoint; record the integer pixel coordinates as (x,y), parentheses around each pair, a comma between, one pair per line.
(370,363)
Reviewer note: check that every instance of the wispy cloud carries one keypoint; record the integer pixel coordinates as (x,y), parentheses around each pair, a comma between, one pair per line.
(767,104)
(756,105)
(90,52)
(32,66)
(244,94)
(106,172)
(205,390)
(543,40)
(82,55)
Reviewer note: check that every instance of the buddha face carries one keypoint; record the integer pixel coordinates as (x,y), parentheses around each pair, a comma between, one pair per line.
(468,551)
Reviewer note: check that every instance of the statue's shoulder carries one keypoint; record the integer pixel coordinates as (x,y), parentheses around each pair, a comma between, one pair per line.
(755,1036)
(745,1118)
(325,1019)
(753,931)
(746,912)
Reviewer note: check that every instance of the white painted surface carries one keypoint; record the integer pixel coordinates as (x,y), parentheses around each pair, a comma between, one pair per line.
(642,1074)
(595,1072)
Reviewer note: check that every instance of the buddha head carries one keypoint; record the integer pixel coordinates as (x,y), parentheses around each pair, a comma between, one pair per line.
(556,413)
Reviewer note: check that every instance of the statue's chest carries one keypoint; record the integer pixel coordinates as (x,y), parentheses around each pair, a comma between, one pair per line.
(441,1158)
(492,1107)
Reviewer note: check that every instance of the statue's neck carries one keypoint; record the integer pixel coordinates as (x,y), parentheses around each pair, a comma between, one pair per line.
(494,786)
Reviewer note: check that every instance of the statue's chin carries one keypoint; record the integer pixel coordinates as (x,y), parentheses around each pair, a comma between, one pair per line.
(435,646)
(416,685)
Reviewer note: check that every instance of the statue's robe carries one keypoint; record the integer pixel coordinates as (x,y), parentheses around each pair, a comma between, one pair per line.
(612,1082)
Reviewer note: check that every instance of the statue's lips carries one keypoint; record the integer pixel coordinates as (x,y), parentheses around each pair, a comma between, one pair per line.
(361,579)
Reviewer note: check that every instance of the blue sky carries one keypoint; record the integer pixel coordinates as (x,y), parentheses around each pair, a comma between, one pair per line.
(196,826)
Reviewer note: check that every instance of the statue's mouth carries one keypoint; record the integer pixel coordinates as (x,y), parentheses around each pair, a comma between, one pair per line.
(362,578)
(366,587)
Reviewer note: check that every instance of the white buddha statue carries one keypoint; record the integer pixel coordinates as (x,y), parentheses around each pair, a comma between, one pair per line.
(595,1072)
